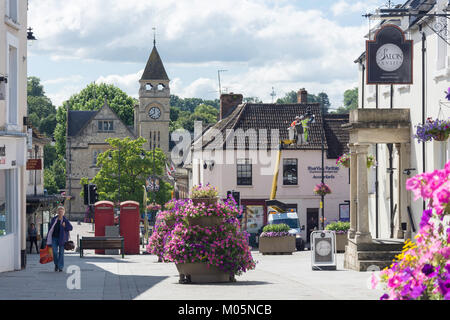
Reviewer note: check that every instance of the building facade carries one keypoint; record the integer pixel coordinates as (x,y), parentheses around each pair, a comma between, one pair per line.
(239,153)
(13,133)
(424,98)
(87,132)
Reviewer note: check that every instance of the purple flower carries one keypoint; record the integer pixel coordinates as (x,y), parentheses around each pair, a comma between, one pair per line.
(444,285)
(427,214)
(448,94)
(428,270)
(384,297)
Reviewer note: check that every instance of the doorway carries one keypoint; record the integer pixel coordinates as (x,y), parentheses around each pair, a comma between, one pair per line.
(312,222)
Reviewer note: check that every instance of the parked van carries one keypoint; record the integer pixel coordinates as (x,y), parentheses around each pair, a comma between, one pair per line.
(291,219)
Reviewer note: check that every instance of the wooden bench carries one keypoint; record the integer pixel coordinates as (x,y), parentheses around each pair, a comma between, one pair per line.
(101,243)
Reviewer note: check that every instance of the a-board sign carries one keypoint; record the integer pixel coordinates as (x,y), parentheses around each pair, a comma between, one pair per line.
(323,250)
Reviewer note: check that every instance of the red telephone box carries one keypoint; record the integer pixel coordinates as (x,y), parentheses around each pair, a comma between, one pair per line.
(104,216)
(129,226)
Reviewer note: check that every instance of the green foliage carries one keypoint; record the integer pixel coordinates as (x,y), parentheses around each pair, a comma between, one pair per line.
(41,111)
(322,98)
(49,155)
(55,176)
(252,100)
(133,172)
(93,98)
(338,226)
(207,114)
(276,228)
(190,104)
(350,101)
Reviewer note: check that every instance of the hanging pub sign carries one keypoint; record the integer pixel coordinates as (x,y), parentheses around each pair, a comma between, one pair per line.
(389,57)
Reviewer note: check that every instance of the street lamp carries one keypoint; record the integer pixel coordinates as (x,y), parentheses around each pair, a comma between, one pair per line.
(322,139)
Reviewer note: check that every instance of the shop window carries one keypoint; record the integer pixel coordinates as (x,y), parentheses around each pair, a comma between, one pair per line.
(244,172)
(5,203)
(290,172)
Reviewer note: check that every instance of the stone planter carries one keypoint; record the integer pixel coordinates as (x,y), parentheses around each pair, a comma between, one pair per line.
(205,221)
(277,245)
(206,201)
(200,273)
(341,241)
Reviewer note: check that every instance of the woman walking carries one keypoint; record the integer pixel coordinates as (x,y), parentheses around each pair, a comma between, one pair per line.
(57,237)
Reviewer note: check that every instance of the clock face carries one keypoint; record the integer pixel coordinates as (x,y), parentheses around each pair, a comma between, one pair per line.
(154,113)
(323,248)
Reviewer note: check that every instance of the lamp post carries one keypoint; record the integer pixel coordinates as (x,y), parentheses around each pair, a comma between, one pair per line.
(36,150)
(322,204)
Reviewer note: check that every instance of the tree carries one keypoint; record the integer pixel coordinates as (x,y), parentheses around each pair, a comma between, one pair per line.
(134,170)
(54,174)
(41,111)
(322,98)
(93,98)
(350,101)
(324,101)
(207,114)
(252,100)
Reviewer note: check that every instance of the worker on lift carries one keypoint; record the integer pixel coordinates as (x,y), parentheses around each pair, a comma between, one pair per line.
(296,129)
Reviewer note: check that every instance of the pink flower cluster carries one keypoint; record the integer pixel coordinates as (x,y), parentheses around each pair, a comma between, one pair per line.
(422,270)
(207,191)
(224,246)
(322,189)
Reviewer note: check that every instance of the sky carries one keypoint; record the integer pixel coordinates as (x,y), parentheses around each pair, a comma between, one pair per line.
(285,45)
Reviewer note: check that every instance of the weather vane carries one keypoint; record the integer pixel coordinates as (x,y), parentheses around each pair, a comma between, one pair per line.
(154,36)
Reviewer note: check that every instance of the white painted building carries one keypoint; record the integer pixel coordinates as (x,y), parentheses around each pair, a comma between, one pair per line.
(424,98)
(13,141)
(248,165)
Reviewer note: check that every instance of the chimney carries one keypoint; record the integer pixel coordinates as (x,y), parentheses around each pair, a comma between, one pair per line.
(302,96)
(229,101)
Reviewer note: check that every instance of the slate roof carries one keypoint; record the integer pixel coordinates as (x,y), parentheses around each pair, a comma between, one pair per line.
(154,70)
(337,138)
(77,120)
(278,116)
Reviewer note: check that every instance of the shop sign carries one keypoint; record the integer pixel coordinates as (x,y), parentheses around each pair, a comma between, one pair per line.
(34,164)
(389,57)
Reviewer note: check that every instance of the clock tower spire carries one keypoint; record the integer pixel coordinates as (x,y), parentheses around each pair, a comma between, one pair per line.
(153,112)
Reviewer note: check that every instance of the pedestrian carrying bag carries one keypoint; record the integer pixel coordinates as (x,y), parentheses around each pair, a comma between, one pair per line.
(46,255)
(69,245)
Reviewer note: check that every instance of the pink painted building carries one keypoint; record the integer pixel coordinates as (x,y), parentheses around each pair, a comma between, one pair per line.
(239,153)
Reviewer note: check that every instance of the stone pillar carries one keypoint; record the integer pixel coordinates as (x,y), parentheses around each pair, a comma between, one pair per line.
(401,185)
(353,192)
(363,232)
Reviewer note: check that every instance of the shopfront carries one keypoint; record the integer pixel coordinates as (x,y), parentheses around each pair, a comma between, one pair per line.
(11,175)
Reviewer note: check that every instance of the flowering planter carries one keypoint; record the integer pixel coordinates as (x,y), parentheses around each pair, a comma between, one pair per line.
(277,245)
(341,241)
(201,273)
(206,201)
(205,221)
(170,223)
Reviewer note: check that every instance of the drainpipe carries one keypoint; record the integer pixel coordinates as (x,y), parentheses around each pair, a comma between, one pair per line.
(362,83)
(424,50)
(391,187)
(376,179)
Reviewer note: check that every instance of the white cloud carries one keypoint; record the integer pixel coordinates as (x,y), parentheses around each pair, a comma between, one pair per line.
(70,79)
(268,44)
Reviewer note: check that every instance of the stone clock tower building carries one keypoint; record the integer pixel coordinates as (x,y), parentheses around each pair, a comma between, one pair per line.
(152,115)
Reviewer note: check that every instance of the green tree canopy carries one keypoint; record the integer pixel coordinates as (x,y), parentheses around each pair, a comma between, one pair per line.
(136,165)
(41,111)
(350,101)
(93,98)
(322,98)
(207,114)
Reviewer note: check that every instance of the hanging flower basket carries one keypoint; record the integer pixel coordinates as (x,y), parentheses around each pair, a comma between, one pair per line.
(438,130)
(344,160)
(322,189)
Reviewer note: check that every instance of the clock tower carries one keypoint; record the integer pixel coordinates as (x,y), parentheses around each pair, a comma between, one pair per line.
(152,115)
